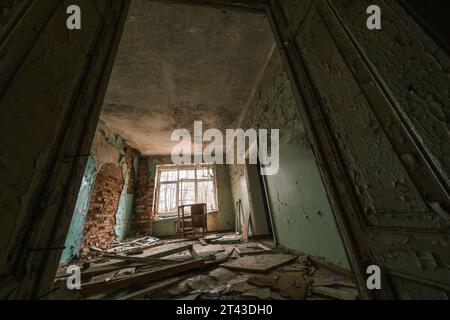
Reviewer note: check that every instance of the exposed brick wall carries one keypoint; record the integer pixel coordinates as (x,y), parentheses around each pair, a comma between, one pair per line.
(101,217)
(143,215)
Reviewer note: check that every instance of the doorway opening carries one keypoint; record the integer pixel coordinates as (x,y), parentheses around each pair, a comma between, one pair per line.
(224,68)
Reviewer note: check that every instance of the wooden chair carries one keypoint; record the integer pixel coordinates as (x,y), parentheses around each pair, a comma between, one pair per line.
(198,218)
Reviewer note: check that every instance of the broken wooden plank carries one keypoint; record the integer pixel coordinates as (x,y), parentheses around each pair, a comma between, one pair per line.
(341,294)
(142,260)
(252,249)
(320,264)
(164,252)
(93,288)
(212,237)
(259,263)
(135,245)
(209,250)
(194,253)
(94,271)
(139,250)
(263,247)
(154,256)
(246,231)
(228,239)
(332,281)
(151,289)
(96,249)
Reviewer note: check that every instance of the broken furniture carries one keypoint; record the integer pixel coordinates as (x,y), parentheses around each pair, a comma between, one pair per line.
(187,223)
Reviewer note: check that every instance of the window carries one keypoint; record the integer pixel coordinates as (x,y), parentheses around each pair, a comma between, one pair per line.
(183,185)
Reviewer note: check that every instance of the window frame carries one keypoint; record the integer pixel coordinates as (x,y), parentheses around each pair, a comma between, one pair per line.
(178,182)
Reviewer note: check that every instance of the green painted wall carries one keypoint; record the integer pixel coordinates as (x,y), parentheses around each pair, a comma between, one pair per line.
(75,235)
(107,148)
(224,221)
(302,216)
(126,202)
(303,219)
(152,168)
(221,221)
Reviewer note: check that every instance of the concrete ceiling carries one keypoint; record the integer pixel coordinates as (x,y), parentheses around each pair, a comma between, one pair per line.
(180,63)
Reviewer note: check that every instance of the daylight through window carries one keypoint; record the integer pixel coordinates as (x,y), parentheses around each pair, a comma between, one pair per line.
(183,185)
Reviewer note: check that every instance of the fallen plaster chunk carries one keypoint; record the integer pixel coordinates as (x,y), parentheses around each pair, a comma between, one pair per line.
(222,274)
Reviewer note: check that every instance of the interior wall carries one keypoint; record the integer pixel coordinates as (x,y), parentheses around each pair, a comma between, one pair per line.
(105,203)
(220,221)
(240,194)
(143,217)
(75,234)
(50,101)
(260,220)
(44,137)
(101,218)
(224,219)
(375,104)
(302,217)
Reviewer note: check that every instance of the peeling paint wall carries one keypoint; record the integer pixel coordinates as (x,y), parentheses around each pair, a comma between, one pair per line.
(176,62)
(125,210)
(75,235)
(302,216)
(223,220)
(99,228)
(142,222)
(108,149)
(240,194)
(48,116)
(376,102)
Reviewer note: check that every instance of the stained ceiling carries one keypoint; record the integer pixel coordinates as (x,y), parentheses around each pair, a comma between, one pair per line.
(179,63)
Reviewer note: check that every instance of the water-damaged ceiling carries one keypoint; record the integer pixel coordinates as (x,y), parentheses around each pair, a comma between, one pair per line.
(179,63)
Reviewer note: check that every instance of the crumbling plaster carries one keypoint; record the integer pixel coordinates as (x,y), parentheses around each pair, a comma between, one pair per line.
(223,220)
(107,148)
(177,64)
(302,217)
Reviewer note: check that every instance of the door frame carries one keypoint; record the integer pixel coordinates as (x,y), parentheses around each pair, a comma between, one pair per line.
(304,95)
(325,152)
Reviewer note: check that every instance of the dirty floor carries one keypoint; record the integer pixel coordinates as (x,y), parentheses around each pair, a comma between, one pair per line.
(217,267)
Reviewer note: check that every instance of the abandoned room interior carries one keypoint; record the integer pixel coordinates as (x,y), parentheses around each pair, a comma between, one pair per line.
(93,205)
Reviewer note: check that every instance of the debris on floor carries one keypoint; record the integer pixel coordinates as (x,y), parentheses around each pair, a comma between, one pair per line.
(134,246)
(217,267)
(227,239)
(259,263)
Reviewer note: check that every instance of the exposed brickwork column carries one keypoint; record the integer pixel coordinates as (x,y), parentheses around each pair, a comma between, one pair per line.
(101,217)
(143,215)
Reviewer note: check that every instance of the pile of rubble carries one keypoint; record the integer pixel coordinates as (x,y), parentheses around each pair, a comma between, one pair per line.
(214,267)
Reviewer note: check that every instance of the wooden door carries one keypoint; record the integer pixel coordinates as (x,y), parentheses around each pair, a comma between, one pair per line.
(52,86)
(376,104)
